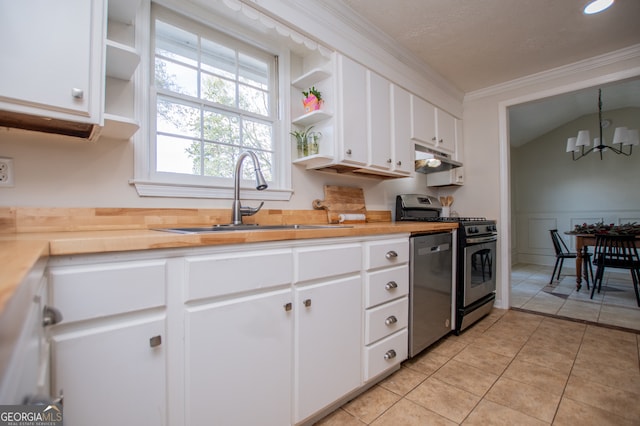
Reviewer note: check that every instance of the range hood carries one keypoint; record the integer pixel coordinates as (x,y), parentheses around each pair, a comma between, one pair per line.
(429,161)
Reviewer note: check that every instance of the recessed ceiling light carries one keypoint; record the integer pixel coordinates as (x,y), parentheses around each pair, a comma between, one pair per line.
(597,6)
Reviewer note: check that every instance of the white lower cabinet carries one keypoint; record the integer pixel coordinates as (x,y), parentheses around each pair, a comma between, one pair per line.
(108,356)
(238,361)
(112,374)
(328,355)
(268,333)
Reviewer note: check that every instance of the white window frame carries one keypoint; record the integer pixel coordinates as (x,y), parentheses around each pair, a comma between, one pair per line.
(150,183)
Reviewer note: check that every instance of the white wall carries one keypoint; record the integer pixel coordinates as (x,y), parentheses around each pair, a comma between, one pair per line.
(487,164)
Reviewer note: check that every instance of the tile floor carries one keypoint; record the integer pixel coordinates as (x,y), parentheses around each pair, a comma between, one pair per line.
(616,304)
(510,368)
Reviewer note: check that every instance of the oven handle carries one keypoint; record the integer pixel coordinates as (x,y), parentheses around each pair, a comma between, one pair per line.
(479,240)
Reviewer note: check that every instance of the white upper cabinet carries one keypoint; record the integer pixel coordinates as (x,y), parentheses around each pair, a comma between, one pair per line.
(379,129)
(432,126)
(402,145)
(52,58)
(352,90)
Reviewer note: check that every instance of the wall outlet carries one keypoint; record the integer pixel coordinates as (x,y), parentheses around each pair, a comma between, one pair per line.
(6,172)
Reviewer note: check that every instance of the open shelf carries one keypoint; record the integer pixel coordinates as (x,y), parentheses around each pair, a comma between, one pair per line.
(312,118)
(306,80)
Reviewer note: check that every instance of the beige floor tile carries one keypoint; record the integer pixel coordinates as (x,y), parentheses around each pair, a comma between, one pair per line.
(543,378)
(525,398)
(546,303)
(483,359)
(448,401)
(490,413)
(545,357)
(426,362)
(403,381)
(616,401)
(572,413)
(600,333)
(407,413)
(448,347)
(505,347)
(562,345)
(371,404)
(608,373)
(466,377)
(340,418)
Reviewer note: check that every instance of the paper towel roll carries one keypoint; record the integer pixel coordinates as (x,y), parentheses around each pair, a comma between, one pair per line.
(352,218)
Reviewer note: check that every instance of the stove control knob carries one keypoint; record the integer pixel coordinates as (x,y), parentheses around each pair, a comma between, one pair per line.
(473,229)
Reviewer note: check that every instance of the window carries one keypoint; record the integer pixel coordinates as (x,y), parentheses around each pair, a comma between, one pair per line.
(214,96)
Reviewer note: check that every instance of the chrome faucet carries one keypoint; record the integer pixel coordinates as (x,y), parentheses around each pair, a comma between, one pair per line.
(237,211)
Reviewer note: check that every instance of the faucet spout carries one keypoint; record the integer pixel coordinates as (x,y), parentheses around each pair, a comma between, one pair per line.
(237,211)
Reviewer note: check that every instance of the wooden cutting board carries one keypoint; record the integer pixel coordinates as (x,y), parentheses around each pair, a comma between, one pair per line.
(342,200)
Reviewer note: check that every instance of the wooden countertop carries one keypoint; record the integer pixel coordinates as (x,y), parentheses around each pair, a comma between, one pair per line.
(19,252)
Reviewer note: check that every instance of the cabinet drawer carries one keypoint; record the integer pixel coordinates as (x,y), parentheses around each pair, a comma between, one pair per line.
(385,320)
(385,253)
(332,260)
(386,284)
(385,354)
(96,291)
(228,273)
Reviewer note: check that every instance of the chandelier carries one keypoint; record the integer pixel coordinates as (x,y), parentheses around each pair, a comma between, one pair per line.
(622,137)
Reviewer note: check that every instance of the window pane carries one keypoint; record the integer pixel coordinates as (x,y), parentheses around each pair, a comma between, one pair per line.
(177,78)
(177,44)
(178,119)
(218,90)
(253,71)
(218,59)
(256,135)
(254,100)
(219,160)
(176,155)
(221,128)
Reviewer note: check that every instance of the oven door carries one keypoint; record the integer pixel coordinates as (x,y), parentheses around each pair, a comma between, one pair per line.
(479,271)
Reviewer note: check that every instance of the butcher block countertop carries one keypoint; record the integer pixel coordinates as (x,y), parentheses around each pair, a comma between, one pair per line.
(20,251)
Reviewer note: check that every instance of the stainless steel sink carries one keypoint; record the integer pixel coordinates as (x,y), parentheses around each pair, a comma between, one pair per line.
(244,227)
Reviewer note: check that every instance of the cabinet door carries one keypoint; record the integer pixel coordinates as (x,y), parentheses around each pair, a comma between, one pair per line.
(328,343)
(423,121)
(446,130)
(402,146)
(51,55)
(238,361)
(379,128)
(113,374)
(353,93)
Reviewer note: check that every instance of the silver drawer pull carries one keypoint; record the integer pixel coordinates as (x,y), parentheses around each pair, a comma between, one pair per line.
(288,306)
(391,285)
(155,341)
(391,320)
(50,316)
(390,354)
(391,255)
(307,302)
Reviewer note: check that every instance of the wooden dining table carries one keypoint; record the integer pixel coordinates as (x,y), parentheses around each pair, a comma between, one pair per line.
(583,241)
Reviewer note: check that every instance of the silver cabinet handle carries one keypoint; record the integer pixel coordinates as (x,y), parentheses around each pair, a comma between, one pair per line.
(389,161)
(77,93)
(391,255)
(399,163)
(50,316)
(391,285)
(391,320)
(307,303)
(155,341)
(348,152)
(434,139)
(441,140)
(390,354)
(288,306)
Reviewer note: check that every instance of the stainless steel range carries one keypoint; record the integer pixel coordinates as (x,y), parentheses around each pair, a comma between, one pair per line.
(475,255)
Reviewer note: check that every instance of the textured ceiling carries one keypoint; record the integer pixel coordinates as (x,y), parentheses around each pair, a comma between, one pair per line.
(479,43)
(476,44)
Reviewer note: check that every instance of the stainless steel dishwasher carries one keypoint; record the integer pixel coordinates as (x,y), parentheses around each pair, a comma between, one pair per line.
(430,289)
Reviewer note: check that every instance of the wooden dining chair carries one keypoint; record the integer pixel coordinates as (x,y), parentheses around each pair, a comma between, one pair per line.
(562,253)
(616,251)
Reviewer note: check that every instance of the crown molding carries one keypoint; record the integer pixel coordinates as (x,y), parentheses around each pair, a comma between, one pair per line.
(596,62)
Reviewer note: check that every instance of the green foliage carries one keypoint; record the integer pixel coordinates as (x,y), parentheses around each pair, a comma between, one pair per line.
(313,91)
